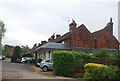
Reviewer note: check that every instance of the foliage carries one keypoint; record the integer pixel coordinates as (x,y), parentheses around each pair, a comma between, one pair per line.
(63,63)
(38,60)
(2,28)
(16,54)
(27,54)
(115,55)
(93,71)
(25,48)
(67,63)
(5,50)
(102,53)
(110,73)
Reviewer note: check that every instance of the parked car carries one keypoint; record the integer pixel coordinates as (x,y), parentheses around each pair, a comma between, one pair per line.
(18,61)
(26,59)
(2,57)
(46,65)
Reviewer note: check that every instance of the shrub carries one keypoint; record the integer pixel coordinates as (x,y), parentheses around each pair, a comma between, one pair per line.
(63,63)
(102,53)
(39,60)
(110,73)
(69,63)
(116,55)
(16,54)
(93,71)
(27,54)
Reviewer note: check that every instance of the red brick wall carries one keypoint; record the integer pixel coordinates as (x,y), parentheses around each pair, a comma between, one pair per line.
(107,41)
(81,38)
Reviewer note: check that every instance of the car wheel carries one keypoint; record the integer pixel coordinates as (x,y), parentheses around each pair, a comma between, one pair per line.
(45,68)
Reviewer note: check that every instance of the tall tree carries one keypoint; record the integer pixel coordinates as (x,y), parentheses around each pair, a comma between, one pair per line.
(6,49)
(25,48)
(16,53)
(2,30)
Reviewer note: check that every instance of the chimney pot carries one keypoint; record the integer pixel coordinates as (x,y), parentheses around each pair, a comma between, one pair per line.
(57,36)
(72,25)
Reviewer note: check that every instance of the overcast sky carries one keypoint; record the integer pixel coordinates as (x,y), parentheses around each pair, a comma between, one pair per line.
(29,21)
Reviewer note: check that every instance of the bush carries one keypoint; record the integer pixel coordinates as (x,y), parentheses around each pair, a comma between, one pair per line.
(116,55)
(102,53)
(63,63)
(93,71)
(69,63)
(16,54)
(110,73)
(27,54)
(38,60)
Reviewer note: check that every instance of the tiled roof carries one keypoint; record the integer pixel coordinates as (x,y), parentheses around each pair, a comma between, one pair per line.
(65,36)
(52,45)
(98,33)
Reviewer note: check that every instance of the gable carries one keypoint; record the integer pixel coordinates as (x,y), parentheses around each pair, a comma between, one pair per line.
(81,37)
(106,40)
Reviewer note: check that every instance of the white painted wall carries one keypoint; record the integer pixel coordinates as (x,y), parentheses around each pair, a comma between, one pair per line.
(45,55)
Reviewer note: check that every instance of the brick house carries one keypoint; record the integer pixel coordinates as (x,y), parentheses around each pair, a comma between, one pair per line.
(80,36)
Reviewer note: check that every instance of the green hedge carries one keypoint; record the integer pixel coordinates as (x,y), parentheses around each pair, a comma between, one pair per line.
(102,53)
(63,63)
(67,63)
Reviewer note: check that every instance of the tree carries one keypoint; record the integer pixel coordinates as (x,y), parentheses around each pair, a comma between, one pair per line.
(6,49)
(25,48)
(2,30)
(16,54)
(27,54)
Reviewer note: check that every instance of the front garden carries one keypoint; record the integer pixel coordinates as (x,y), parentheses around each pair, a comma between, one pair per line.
(91,67)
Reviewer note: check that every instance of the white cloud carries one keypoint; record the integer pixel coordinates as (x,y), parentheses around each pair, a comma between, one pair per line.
(30,21)
(24,37)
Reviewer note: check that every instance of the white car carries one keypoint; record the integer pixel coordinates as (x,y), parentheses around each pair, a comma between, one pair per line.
(46,65)
(2,57)
(25,59)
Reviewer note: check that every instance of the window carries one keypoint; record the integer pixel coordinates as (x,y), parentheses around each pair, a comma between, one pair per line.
(49,55)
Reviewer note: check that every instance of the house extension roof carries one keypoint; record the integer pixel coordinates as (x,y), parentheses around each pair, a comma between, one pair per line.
(52,45)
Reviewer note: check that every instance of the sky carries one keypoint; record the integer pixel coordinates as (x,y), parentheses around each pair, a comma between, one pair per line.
(31,21)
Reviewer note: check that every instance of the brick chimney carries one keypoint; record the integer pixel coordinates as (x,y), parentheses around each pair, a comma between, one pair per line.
(57,36)
(34,45)
(72,26)
(39,44)
(110,26)
(43,42)
(51,38)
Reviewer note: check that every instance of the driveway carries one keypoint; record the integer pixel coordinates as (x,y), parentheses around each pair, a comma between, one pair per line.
(23,71)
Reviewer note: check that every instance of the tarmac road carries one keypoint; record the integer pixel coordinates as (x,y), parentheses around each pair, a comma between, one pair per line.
(23,71)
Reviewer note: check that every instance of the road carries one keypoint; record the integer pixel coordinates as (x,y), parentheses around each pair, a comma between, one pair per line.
(23,71)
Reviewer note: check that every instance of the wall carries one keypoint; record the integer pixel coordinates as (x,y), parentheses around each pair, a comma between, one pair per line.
(107,41)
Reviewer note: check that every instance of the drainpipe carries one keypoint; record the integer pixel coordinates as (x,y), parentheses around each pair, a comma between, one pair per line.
(35,58)
(95,42)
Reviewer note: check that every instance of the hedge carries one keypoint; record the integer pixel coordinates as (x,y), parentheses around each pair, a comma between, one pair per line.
(63,63)
(68,63)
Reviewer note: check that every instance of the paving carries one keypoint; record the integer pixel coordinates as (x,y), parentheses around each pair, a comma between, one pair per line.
(25,71)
